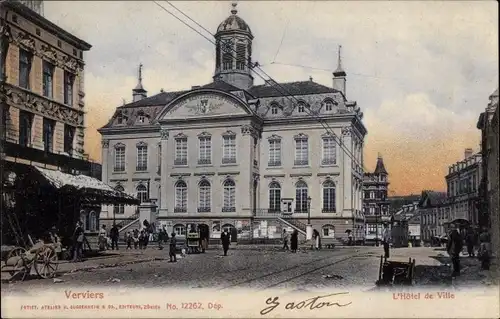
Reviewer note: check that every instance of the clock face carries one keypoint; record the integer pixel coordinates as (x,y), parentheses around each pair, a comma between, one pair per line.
(227,46)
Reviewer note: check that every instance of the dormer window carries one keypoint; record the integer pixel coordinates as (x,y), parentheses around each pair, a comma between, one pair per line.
(121,119)
(141,118)
(329,105)
(274,109)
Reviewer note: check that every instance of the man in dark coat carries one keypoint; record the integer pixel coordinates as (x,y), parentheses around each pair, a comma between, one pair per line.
(226,240)
(294,241)
(114,234)
(173,244)
(454,247)
(471,241)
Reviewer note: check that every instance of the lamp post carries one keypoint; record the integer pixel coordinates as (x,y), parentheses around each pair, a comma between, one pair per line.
(308,226)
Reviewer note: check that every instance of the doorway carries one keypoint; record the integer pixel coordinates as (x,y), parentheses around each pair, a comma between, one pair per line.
(204,231)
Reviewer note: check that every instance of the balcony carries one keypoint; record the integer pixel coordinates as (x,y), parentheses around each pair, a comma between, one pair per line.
(274,163)
(229,160)
(180,210)
(329,210)
(268,212)
(203,161)
(141,168)
(328,161)
(228,209)
(204,209)
(180,161)
(301,162)
(119,169)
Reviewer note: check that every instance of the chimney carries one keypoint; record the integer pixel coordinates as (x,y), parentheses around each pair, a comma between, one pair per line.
(339,76)
(468,153)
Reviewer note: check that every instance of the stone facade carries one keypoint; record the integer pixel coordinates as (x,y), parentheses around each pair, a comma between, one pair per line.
(434,211)
(232,154)
(463,183)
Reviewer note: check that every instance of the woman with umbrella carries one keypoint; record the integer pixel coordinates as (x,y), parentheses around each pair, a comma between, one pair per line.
(294,241)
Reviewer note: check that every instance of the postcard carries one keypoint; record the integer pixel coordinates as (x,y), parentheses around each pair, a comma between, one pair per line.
(249,159)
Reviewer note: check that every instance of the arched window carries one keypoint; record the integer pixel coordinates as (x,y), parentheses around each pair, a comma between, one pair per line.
(83,219)
(180,230)
(229,196)
(329,197)
(180,197)
(329,105)
(275,197)
(301,107)
(119,208)
(274,108)
(204,196)
(142,193)
(92,221)
(328,231)
(301,197)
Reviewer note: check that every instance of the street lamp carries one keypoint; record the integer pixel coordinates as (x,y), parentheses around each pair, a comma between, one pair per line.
(309,226)
(309,210)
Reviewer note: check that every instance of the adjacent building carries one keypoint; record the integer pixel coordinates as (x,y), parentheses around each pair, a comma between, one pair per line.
(405,228)
(375,201)
(463,181)
(434,213)
(488,123)
(234,155)
(41,97)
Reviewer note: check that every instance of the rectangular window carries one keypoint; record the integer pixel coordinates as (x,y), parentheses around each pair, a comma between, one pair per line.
(3,58)
(48,79)
(142,158)
(227,61)
(69,80)
(240,56)
(329,200)
(69,137)
(181,150)
(301,152)
(274,153)
(205,150)
(329,151)
(5,121)
(25,125)
(120,159)
(229,149)
(25,60)
(48,135)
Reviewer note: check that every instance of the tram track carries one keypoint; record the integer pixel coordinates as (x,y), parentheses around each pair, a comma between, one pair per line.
(304,264)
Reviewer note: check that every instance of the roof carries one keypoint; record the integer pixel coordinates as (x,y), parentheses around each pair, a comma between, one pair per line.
(234,23)
(435,198)
(380,169)
(291,88)
(60,180)
(49,26)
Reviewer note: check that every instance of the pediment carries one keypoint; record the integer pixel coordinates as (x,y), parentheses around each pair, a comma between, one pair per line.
(204,105)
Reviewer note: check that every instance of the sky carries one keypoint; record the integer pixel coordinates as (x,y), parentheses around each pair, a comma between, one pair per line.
(421,72)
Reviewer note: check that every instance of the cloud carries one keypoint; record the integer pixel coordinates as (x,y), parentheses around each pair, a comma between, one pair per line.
(420,71)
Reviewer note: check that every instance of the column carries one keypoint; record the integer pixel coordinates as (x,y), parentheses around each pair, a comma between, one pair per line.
(347,171)
(163,174)
(104,173)
(245,186)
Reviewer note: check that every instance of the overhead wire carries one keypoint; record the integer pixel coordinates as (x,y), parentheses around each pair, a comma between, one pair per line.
(274,84)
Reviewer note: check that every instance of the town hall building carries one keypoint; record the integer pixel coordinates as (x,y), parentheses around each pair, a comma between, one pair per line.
(233,155)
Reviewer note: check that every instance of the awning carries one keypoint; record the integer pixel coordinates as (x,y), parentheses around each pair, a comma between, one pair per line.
(89,188)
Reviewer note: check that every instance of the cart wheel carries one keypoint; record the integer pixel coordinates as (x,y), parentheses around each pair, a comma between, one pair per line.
(46,262)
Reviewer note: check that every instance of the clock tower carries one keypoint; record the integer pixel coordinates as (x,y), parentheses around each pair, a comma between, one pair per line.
(233,54)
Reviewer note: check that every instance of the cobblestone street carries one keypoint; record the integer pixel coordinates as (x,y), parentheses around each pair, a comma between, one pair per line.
(252,267)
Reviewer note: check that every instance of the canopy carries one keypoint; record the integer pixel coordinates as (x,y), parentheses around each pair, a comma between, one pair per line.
(91,189)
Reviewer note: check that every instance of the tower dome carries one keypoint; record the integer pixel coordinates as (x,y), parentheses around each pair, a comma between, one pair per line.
(234,23)
(233,52)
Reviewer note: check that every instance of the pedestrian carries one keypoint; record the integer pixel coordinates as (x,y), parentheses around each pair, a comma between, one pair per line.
(78,237)
(470,238)
(294,241)
(128,240)
(454,247)
(226,240)
(141,240)
(285,240)
(173,247)
(386,239)
(161,237)
(349,238)
(136,238)
(115,235)
(103,238)
(484,253)
(317,240)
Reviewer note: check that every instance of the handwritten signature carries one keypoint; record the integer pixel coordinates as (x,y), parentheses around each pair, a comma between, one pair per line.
(309,304)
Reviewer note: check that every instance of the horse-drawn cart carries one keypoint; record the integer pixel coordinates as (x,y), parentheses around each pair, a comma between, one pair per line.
(41,258)
(396,273)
